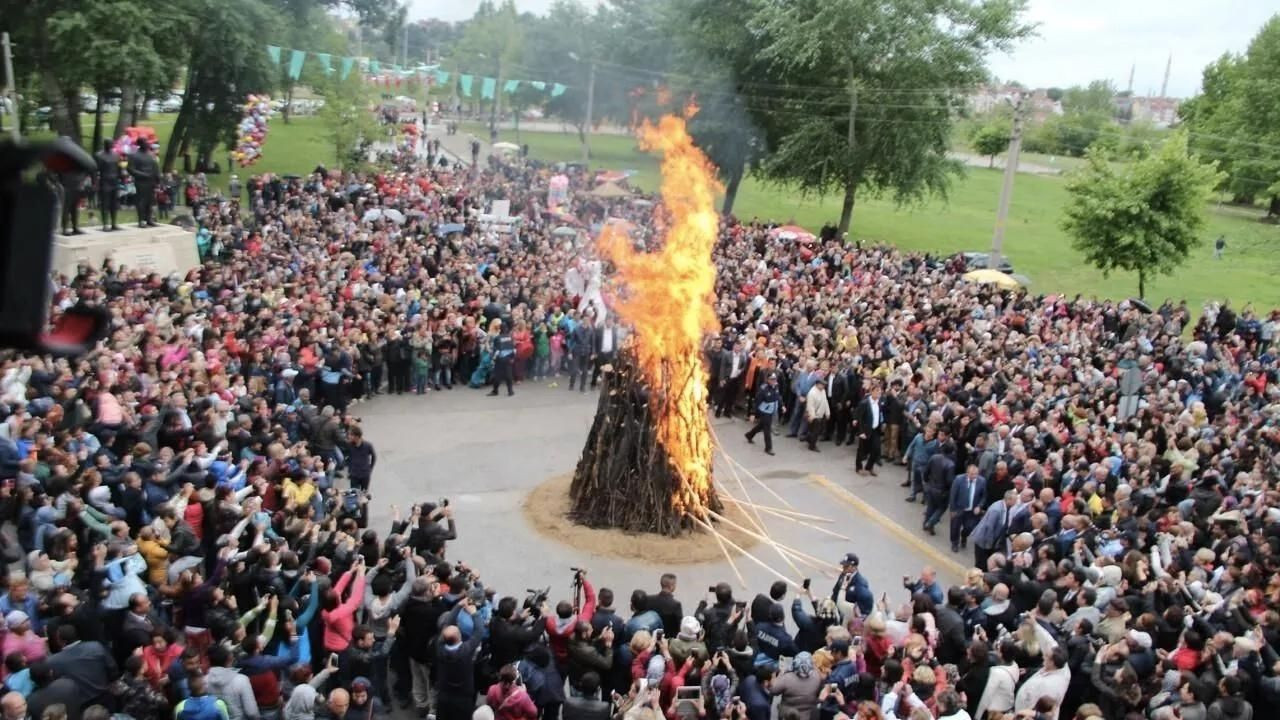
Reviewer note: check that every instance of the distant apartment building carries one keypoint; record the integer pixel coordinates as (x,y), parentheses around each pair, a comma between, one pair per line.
(987,98)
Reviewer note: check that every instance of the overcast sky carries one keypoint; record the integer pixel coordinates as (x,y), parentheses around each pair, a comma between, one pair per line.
(1080,40)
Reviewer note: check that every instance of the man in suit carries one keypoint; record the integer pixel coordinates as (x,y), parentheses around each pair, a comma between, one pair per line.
(840,399)
(108,184)
(992,531)
(870,422)
(86,663)
(733,366)
(805,377)
(666,605)
(146,174)
(607,338)
(939,473)
(968,497)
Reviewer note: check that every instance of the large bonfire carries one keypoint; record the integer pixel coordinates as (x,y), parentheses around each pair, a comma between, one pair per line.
(646,466)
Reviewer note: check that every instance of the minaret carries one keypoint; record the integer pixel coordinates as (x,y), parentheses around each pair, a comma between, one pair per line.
(1131,69)
(1164,86)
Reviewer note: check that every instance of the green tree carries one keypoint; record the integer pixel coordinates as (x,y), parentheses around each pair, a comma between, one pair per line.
(1236,118)
(226,61)
(990,141)
(1096,97)
(1143,217)
(491,46)
(868,92)
(347,117)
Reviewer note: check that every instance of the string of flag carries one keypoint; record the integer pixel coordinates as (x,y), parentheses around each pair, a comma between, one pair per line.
(393,73)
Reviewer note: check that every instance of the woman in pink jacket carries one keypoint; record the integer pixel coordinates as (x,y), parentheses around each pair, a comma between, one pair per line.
(508,699)
(338,614)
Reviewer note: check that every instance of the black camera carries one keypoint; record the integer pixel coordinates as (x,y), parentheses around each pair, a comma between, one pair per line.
(534,600)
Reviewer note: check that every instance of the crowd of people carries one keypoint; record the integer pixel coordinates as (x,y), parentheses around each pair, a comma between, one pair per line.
(185,509)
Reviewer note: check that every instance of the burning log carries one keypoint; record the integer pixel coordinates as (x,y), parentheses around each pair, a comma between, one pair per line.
(625,478)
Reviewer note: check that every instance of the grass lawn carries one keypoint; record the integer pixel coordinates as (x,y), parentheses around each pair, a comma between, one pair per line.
(1034,241)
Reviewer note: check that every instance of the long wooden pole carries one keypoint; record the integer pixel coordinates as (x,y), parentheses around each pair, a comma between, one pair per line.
(707,526)
(802,556)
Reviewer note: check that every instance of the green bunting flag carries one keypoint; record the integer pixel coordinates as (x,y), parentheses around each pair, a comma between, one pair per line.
(487,86)
(510,86)
(347,64)
(465,82)
(375,67)
(538,85)
(296,59)
(557,90)
(442,77)
(273,52)
(324,59)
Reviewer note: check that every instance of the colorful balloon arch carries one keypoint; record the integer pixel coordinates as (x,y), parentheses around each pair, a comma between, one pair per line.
(253,130)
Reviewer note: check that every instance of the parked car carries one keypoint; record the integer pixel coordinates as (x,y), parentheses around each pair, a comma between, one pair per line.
(982,260)
(171,104)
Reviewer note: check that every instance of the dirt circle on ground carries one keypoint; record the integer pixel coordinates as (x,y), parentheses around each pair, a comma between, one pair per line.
(546,508)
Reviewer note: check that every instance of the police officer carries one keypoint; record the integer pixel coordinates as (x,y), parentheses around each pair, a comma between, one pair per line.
(766,405)
(108,184)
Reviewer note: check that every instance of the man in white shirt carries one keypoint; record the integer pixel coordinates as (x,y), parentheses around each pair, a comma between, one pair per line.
(817,409)
(1050,681)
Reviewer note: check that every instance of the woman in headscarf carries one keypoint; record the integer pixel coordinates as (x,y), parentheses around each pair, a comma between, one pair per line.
(798,688)
(302,701)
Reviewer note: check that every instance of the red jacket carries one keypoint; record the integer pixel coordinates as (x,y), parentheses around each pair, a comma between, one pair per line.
(559,632)
(514,704)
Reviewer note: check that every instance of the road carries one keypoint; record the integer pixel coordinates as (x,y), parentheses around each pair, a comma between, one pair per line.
(486,453)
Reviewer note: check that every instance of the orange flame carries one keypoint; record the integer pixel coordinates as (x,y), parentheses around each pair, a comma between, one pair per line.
(668,299)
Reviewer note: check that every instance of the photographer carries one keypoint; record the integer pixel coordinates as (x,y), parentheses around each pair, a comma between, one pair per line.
(561,626)
(512,631)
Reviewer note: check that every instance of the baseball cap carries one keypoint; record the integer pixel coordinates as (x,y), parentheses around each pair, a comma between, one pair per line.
(849,559)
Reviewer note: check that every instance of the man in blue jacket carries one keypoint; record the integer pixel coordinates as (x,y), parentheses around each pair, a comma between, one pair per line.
(772,638)
(968,499)
(854,587)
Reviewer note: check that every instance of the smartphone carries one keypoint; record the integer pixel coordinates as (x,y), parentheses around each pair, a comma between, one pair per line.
(657,634)
(806,583)
(740,604)
(644,684)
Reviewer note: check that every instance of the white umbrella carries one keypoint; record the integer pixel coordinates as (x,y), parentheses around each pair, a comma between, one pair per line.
(506,147)
(394,216)
(564,231)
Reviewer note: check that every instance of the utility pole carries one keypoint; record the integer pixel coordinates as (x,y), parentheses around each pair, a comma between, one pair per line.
(10,87)
(591,100)
(1006,191)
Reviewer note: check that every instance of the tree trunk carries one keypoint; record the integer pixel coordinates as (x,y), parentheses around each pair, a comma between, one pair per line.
(731,188)
(143,113)
(288,102)
(991,162)
(846,207)
(125,118)
(1142,284)
(64,117)
(1273,208)
(97,124)
(178,138)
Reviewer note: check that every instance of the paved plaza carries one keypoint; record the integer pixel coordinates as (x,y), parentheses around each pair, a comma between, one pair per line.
(486,453)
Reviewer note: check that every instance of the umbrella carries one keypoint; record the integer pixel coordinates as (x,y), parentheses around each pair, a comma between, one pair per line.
(792,233)
(448,228)
(1140,304)
(564,231)
(394,216)
(609,190)
(991,277)
(506,147)
(641,202)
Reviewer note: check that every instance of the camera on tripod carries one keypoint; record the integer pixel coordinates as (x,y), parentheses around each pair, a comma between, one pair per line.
(534,601)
